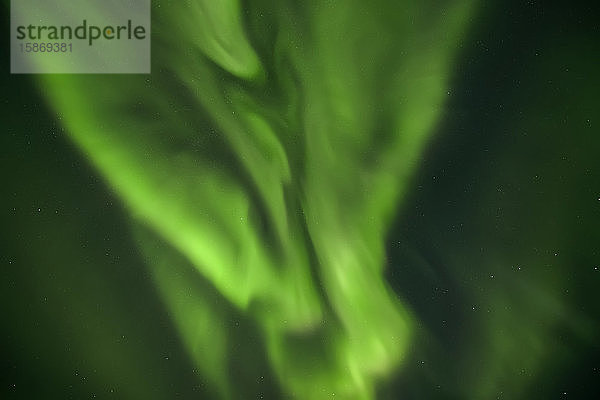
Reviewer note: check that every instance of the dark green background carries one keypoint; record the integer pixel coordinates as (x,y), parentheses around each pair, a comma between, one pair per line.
(511,180)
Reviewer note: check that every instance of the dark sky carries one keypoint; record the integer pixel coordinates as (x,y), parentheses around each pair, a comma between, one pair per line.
(496,248)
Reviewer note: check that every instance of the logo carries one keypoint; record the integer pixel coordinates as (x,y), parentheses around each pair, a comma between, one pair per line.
(86,36)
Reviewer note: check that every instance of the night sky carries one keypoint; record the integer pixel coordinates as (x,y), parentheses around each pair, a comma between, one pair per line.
(310,200)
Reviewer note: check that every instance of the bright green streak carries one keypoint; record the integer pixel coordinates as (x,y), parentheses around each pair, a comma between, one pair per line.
(284,206)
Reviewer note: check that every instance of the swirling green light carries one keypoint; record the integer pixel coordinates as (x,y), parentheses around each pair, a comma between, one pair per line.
(271,147)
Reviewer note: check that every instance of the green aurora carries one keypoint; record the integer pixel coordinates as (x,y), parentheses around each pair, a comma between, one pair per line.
(262,168)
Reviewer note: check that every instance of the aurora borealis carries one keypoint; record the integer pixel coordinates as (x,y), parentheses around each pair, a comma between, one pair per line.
(310,200)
